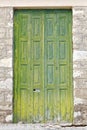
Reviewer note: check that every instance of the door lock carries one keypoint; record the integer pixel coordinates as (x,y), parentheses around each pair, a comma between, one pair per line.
(37,90)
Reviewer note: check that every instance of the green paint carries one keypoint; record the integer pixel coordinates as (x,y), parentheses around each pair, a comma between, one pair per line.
(42,66)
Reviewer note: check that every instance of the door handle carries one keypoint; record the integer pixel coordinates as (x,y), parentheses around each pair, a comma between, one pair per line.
(36,90)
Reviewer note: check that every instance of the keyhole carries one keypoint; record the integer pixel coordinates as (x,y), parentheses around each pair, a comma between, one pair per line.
(34,89)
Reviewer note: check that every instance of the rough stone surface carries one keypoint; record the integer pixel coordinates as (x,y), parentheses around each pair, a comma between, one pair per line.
(80,65)
(6,36)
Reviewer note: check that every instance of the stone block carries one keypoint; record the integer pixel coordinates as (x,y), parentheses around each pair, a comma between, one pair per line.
(2,32)
(9,33)
(81,64)
(6,84)
(81,73)
(9,42)
(81,93)
(80,83)
(9,51)
(79,55)
(6,62)
(81,117)
(9,118)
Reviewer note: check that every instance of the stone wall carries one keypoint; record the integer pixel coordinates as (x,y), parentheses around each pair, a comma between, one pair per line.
(6,35)
(80,64)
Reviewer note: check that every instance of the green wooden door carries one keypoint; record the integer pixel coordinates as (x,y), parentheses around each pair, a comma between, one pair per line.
(42,66)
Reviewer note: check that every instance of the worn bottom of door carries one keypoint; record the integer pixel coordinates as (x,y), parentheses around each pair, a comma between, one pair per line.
(42,66)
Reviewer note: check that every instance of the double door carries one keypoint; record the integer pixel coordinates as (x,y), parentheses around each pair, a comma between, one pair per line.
(42,66)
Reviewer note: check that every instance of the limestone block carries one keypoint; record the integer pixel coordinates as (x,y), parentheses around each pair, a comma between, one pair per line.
(9,118)
(79,55)
(2,32)
(81,64)
(9,32)
(6,62)
(7,84)
(81,93)
(80,83)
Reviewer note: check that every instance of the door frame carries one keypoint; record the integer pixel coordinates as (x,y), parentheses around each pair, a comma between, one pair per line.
(14,59)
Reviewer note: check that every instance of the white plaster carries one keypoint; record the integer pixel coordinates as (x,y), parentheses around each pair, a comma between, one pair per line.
(78,101)
(9,118)
(76,114)
(11,14)
(10,73)
(6,62)
(75,66)
(79,55)
(2,32)
(77,12)
(77,73)
(6,84)
(74,82)
(9,98)
(5,107)
(10,24)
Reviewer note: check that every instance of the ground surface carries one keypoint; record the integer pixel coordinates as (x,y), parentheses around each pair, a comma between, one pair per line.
(37,127)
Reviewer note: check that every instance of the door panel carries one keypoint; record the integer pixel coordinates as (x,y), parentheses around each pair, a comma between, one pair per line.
(50,65)
(37,66)
(42,66)
(64,65)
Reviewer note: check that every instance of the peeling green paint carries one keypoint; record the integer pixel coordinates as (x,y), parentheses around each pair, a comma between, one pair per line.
(42,66)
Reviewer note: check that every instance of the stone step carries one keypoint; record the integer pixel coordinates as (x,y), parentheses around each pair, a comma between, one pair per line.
(37,127)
